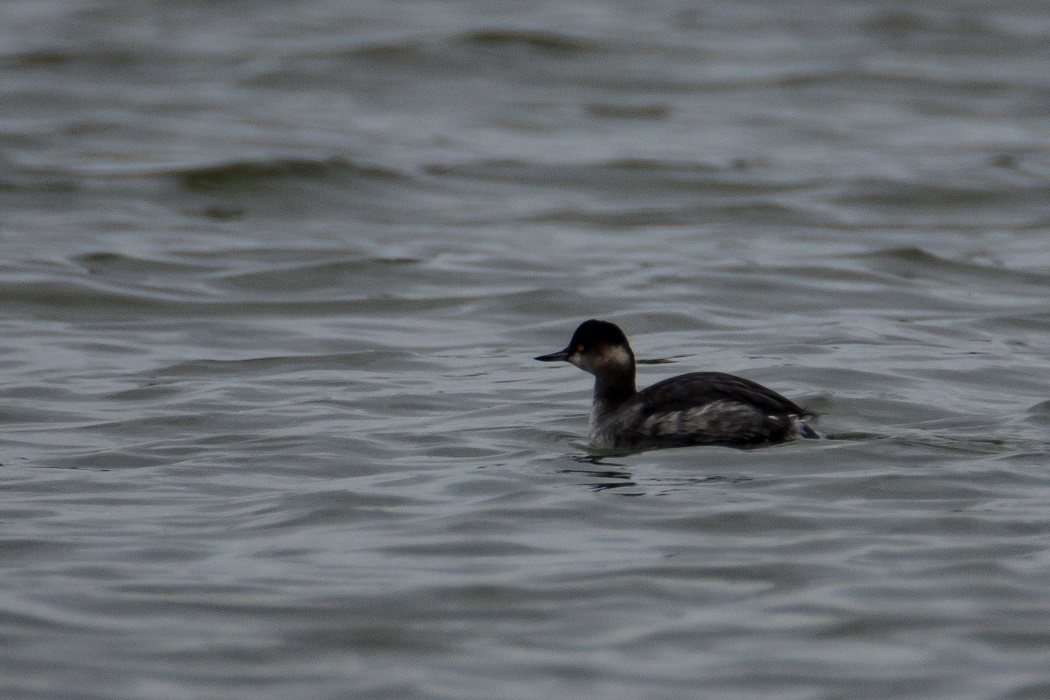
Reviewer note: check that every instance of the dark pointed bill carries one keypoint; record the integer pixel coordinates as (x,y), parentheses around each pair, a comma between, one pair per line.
(554,356)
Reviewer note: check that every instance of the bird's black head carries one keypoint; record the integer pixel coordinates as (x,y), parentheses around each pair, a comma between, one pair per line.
(597,347)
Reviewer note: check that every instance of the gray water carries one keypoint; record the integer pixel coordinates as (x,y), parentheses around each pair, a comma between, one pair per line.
(272,276)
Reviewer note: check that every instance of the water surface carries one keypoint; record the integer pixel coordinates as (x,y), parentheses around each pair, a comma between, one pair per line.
(272,276)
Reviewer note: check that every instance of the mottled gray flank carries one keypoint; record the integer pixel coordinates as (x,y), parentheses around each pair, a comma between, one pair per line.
(720,422)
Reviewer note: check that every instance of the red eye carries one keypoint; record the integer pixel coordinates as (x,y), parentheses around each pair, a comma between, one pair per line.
(579,348)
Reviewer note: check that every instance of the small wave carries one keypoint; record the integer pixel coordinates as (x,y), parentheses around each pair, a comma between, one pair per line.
(296,277)
(606,110)
(251,173)
(920,263)
(754,212)
(43,185)
(536,39)
(406,46)
(110,264)
(734,175)
(900,23)
(910,195)
(462,53)
(969,202)
(52,58)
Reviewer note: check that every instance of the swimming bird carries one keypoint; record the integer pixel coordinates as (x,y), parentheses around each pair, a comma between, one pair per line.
(700,408)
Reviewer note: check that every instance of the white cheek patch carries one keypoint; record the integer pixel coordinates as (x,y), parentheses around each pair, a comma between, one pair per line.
(598,360)
(618,356)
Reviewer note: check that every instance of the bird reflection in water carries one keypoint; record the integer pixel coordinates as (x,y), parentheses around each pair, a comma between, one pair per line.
(612,478)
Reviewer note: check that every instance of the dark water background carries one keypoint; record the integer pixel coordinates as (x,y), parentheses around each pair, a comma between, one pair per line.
(271,276)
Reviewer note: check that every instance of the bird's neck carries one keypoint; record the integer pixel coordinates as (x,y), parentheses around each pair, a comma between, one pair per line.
(613,389)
